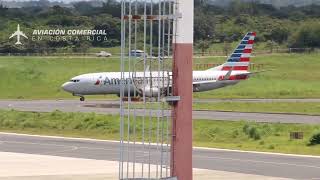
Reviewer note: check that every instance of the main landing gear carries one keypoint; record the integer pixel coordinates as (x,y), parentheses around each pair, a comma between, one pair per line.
(82,98)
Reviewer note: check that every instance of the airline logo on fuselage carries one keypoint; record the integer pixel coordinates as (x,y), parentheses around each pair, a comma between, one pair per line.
(112,81)
(117,81)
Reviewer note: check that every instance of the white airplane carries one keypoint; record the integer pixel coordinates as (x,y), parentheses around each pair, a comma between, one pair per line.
(18,33)
(229,73)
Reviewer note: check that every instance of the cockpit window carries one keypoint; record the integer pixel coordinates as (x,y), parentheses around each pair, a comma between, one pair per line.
(74,80)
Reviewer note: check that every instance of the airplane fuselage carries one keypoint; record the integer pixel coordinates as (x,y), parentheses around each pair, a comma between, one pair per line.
(110,82)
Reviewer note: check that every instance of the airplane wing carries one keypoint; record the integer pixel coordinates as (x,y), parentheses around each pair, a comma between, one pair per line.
(204,82)
(13,35)
(246,74)
(257,72)
(22,34)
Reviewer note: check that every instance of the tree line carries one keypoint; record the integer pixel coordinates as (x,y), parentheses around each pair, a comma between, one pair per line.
(294,27)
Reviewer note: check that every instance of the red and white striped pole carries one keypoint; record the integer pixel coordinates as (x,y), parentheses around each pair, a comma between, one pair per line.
(181,145)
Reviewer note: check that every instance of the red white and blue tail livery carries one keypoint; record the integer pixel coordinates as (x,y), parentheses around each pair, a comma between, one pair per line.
(239,60)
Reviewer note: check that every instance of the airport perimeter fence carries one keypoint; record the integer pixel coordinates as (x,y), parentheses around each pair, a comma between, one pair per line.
(197,54)
(53,54)
(256,52)
(204,66)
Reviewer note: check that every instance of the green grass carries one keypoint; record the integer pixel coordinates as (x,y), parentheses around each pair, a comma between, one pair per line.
(272,137)
(308,108)
(42,77)
(220,134)
(293,76)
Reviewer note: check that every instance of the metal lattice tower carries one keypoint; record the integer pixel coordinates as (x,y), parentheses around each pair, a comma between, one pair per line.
(147,26)
(150,129)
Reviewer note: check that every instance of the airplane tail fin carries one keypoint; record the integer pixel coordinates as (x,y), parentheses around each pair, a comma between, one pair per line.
(239,60)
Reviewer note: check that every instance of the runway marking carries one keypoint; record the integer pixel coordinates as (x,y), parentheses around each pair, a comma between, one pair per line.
(255,161)
(154,144)
(255,152)
(72,147)
(30,143)
(58,145)
(62,151)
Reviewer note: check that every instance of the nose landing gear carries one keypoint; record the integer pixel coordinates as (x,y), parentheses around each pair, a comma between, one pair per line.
(81,97)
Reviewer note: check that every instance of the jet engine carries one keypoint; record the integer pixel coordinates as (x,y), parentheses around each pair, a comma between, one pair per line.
(150,92)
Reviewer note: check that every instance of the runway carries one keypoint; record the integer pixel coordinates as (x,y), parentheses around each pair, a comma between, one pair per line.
(267,164)
(256,100)
(112,107)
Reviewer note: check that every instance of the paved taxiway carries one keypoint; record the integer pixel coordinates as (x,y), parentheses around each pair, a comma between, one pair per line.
(256,100)
(17,166)
(266,164)
(112,107)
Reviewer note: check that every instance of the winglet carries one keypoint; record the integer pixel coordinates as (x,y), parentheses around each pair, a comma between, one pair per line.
(227,76)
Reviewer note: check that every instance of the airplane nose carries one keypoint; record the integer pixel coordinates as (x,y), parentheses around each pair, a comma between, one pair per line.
(67,87)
